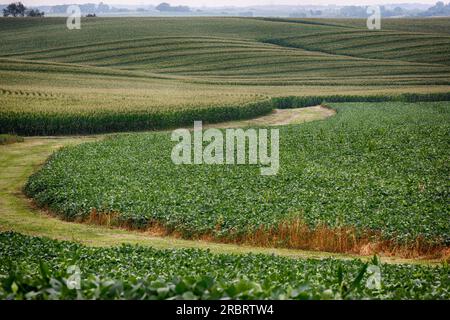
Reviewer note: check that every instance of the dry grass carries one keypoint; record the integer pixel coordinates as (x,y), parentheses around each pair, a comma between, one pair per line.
(9,139)
(296,235)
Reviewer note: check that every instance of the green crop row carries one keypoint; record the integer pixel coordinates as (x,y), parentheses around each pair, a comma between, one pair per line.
(38,123)
(379,167)
(162,45)
(34,268)
(41,123)
(298,102)
(400,46)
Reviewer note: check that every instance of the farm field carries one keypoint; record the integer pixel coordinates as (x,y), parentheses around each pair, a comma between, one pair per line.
(87,179)
(130,74)
(18,161)
(132,272)
(357,173)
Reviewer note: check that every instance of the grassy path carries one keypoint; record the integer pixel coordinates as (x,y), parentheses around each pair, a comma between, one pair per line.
(281,117)
(18,161)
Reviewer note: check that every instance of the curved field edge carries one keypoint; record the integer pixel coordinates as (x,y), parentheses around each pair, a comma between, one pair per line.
(18,214)
(39,268)
(41,123)
(292,233)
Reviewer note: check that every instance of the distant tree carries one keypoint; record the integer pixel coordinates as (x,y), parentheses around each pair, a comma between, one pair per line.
(298,14)
(88,7)
(34,13)
(14,9)
(165,7)
(247,14)
(61,8)
(315,13)
(353,12)
(440,9)
(102,7)
(398,11)
(439,5)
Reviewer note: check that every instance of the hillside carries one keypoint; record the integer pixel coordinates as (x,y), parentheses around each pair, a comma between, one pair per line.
(140,65)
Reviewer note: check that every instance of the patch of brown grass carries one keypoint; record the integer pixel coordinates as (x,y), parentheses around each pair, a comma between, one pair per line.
(102,219)
(10,139)
(296,234)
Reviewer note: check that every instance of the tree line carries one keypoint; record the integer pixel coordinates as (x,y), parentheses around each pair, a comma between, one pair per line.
(17,9)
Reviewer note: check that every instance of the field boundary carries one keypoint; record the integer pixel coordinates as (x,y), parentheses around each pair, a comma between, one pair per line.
(17,214)
(290,235)
(40,124)
(299,101)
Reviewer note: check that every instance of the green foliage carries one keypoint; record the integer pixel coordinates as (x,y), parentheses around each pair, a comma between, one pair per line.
(39,123)
(14,9)
(298,102)
(34,268)
(9,139)
(374,166)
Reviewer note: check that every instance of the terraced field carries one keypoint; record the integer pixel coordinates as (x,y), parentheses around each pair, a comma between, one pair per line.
(412,47)
(240,60)
(183,39)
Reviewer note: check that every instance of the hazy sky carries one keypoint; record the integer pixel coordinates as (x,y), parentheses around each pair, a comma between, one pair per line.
(212,3)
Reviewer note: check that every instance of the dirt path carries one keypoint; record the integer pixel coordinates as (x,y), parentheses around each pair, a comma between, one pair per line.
(18,161)
(282,117)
